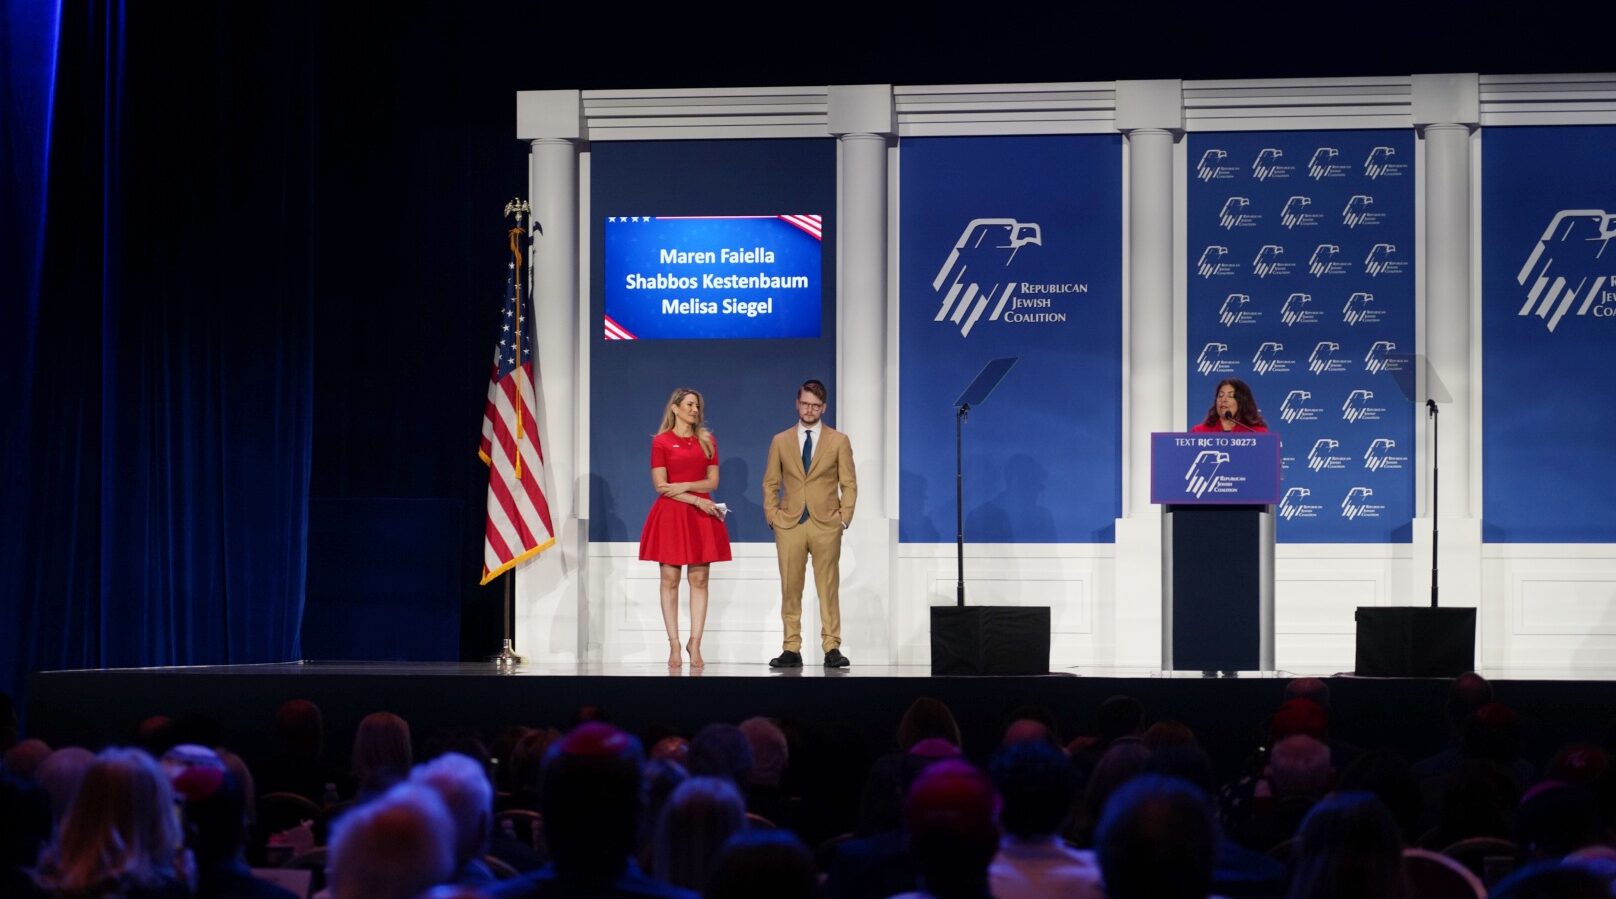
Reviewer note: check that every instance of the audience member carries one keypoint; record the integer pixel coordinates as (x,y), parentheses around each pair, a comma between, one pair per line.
(1023,730)
(1237,872)
(60,775)
(500,749)
(1348,848)
(592,801)
(700,816)
(1298,775)
(120,836)
(1552,881)
(462,783)
(298,764)
(878,863)
(526,767)
(721,750)
(1168,733)
(215,813)
(673,748)
(1157,840)
(1037,785)
(382,754)
(23,759)
(156,734)
(952,819)
(1313,689)
(396,846)
(772,863)
(25,828)
(927,718)
(1031,714)
(1387,774)
(1122,762)
(771,754)
(1555,820)
(662,777)
(1476,799)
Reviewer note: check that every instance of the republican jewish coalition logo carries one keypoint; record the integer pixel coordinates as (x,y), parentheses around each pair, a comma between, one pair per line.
(1360,310)
(1202,477)
(1268,261)
(1295,215)
(1295,311)
(1382,357)
(1295,505)
(1270,358)
(1267,165)
(1323,359)
(1380,165)
(1356,504)
(1357,212)
(1212,262)
(1567,268)
(1358,407)
(1323,455)
(977,271)
(1234,312)
(1381,455)
(1234,214)
(1211,167)
(1323,164)
(1324,262)
(1381,261)
(1211,360)
(1295,407)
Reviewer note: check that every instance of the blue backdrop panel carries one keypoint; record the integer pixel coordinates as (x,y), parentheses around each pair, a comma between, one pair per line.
(1012,246)
(1301,283)
(749,384)
(1548,326)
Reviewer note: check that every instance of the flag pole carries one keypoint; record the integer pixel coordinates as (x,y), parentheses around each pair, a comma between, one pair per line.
(506,657)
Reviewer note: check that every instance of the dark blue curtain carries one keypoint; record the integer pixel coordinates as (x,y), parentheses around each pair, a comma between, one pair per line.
(158,342)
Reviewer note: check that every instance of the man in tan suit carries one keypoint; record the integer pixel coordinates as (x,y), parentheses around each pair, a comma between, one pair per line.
(809,488)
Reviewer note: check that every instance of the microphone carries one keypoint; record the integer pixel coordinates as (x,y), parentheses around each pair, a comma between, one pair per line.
(1229,417)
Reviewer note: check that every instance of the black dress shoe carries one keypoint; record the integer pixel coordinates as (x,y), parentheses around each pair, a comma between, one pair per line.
(787,659)
(835,659)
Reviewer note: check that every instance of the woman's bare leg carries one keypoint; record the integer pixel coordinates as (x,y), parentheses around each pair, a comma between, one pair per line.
(670,612)
(697,575)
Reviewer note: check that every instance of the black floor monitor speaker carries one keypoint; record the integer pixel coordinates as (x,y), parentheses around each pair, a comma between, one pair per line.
(1415,641)
(990,640)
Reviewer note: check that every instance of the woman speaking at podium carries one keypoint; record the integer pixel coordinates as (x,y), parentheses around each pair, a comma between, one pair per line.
(1233,409)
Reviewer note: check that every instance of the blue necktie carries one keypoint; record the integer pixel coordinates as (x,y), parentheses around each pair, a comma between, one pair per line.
(807,458)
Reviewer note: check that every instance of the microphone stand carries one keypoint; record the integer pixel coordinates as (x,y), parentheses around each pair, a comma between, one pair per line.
(1430,410)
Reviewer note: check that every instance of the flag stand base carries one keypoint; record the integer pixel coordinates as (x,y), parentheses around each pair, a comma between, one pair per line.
(506,657)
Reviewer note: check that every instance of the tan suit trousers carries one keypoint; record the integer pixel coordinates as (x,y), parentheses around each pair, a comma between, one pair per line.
(793,547)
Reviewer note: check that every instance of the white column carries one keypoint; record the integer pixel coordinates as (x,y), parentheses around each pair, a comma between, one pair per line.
(1446,110)
(552,616)
(861,116)
(1151,115)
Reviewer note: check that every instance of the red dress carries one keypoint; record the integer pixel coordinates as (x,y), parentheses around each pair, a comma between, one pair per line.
(675,532)
(1204,428)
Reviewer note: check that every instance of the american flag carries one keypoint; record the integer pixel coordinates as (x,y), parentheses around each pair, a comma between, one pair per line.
(518,514)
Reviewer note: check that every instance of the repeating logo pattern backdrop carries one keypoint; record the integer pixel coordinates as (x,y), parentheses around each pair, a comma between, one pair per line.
(1548,298)
(1301,283)
(1012,246)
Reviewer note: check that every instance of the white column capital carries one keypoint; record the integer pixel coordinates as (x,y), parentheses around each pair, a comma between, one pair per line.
(1450,99)
(1156,105)
(862,109)
(550,114)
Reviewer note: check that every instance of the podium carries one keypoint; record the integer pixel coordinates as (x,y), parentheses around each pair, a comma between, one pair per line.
(1217,493)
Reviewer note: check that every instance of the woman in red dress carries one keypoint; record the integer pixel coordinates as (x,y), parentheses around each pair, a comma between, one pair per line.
(1233,409)
(684,527)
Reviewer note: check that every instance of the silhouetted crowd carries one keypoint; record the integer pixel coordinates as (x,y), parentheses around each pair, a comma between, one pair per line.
(772,809)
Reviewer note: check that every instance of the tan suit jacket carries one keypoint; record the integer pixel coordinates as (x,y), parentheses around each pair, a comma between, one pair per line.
(829,486)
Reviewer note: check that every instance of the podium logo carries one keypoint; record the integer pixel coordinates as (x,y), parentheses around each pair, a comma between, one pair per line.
(1234,215)
(1357,212)
(1295,407)
(1268,359)
(1323,358)
(1357,407)
(1294,504)
(1267,261)
(1295,215)
(1379,455)
(1358,310)
(1267,165)
(1323,457)
(1381,357)
(1324,261)
(1211,360)
(1568,265)
(1234,312)
(1295,312)
(1323,164)
(1211,262)
(1211,167)
(1356,504)
(1202,478)
(976,271)
(1379,164)
(1380,261)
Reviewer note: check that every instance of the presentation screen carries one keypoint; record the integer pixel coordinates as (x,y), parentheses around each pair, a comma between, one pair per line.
(712,276)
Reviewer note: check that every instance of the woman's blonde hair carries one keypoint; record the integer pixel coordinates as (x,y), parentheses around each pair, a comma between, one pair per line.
(381,751)
(702,433)
(121,827)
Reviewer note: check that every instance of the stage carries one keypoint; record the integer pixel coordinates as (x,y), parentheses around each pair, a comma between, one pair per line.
(97,707)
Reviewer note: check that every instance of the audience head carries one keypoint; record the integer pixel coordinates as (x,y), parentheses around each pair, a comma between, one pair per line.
(700,816)
(1493,732)
(951,815)
(1313,689)
(671,748)
(1190,764)
(394,847)
(1581,764)
(462,783)
(1168,733)
(1548,880)
(1300,717)
(927,718)
(662,777)
(526,767)
(720,750)
(300,727)
(1124,761)
(591,800)
(1037,783)
(61,775)
(501,750)
(23,759)
(765,856)
(381,751)
(121,826)
(1389,776)
(1120,716)
(1299,767)
(25,822)
(1157,840)
(1348,848)
(770,753)
(156,734)
(1023,730)
(1556,819)
(1022,719)
(215,816)
(1467,693)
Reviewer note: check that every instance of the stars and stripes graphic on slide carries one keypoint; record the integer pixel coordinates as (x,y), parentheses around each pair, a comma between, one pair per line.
(615,331)
(519,524)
